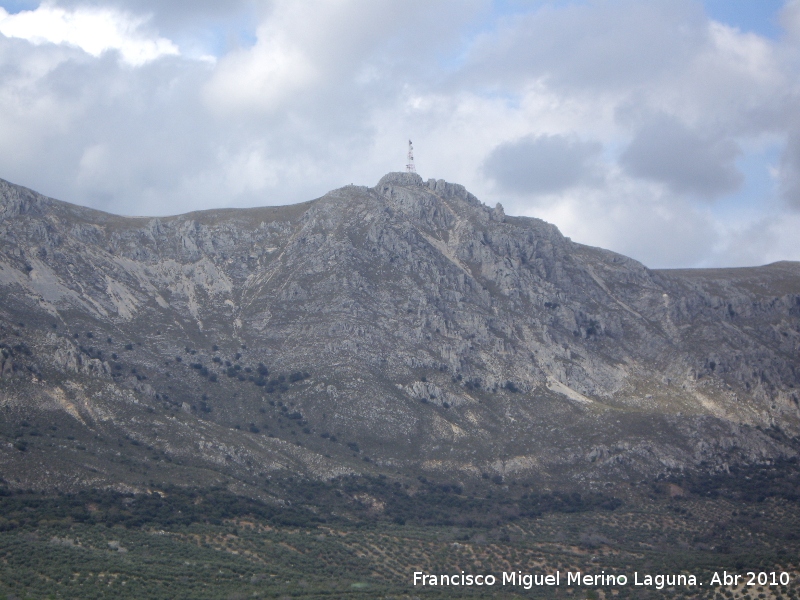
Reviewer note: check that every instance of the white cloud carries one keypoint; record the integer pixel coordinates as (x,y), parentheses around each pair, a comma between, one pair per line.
(790,18)
(633,218)
(768,239)
(308,96)
(789,171)
(595,46)
(261,78)
(327,51)
(93,30)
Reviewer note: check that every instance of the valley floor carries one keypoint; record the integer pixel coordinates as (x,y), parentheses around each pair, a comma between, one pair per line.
(60,547)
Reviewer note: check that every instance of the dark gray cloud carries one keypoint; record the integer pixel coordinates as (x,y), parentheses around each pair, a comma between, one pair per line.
(687,161)
(544,164)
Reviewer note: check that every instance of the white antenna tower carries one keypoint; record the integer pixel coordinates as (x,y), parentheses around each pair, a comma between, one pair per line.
(410,168)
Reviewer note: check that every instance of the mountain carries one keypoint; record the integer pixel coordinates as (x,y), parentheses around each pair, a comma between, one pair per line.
(404,329)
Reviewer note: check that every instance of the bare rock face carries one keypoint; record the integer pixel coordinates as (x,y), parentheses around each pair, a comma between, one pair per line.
(405,327)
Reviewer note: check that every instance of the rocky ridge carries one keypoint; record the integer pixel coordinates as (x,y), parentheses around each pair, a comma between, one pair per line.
(404,328)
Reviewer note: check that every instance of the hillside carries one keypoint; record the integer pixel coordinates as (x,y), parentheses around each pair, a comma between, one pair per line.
(404,329)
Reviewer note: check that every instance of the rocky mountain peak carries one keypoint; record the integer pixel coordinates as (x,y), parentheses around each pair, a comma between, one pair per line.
(399,178)
(408,320)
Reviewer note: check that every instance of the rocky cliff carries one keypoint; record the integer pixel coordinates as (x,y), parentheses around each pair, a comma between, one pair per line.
(404,328)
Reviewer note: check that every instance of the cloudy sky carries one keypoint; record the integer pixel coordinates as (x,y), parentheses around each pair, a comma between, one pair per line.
(665,130)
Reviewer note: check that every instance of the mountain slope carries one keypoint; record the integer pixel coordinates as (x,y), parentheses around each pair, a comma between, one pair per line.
(405,328)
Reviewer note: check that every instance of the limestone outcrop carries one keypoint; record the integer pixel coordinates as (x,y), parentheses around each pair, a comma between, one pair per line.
(407,320)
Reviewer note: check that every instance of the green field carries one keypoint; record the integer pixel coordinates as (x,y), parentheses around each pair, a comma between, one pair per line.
(364,538)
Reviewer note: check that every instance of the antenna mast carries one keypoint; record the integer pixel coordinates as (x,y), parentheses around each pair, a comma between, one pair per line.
(410,168)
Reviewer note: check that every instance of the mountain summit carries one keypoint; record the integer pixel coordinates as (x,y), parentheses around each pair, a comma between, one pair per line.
(404,328)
